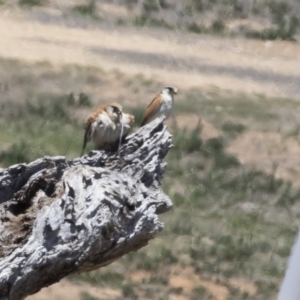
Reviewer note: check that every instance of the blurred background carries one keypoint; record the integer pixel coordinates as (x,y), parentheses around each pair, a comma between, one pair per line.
(233,172)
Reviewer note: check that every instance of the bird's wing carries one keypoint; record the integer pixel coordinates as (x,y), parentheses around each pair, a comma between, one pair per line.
(89,125)
(152,109)
(87,136)
(94,114)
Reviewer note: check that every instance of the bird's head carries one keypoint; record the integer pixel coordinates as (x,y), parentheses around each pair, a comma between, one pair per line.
(115,112)
(172,90)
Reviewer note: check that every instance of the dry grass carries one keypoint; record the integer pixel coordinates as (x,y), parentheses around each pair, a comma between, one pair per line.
(260,19)
(233,177)
(171,57)
(232,226)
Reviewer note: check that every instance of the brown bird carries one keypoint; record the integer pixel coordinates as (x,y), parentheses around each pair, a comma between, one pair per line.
(161,105)
(107,125)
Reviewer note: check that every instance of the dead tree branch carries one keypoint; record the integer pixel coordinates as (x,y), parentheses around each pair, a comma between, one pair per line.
(59,217)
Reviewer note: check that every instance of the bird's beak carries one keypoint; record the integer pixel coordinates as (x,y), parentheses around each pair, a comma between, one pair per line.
(175,91)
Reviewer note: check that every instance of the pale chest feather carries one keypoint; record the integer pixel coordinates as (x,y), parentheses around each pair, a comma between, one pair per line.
(166,106)
(102,129)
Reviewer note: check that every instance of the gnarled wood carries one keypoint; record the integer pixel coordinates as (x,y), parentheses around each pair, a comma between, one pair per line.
(58,217)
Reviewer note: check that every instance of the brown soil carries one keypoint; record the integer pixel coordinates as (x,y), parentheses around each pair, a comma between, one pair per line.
(188,281)
(270,152)
(66,290)
(243,285)
(190,122)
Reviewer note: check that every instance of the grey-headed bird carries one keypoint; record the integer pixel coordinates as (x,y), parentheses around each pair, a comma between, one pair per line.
(161,105)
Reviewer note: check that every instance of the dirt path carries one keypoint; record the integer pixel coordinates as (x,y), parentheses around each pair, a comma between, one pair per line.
(66,290)
(271,68)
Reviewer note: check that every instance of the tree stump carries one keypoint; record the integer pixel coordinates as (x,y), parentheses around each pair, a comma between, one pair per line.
(59,216)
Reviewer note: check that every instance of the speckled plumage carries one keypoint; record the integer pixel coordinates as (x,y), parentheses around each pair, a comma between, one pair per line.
(104,126)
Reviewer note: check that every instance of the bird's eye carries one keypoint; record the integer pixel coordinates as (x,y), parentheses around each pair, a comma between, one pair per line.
(117,110)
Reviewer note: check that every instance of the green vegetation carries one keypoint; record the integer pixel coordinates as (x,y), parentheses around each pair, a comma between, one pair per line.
(283,17)
(82,100)
(30,3)
(201,292)
(194,27)
(128,291)
(154,5)
(232,130)
(286,24)
(218,26)
(19,152)
(98,278)
(229,220)
(198,5)
(89,9)
(145,20)
(88,296)
(150,5)
(160,257)
(41,126)
(275,19)
(138,113)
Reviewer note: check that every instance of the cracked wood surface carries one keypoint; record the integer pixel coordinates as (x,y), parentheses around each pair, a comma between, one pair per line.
(60,216)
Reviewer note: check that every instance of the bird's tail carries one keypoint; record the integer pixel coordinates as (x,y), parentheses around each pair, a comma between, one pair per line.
(144,122)
(86,138)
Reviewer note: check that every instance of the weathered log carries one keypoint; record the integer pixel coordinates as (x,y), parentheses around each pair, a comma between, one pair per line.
(60,216)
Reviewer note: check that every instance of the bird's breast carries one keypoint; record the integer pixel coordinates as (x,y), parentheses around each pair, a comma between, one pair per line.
(166,107)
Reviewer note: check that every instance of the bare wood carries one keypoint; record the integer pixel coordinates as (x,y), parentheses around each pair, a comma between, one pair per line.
(59,217)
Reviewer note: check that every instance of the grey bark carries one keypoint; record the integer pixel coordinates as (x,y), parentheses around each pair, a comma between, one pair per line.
(59,217)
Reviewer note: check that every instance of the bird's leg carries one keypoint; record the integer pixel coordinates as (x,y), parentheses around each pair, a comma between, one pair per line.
(120,138)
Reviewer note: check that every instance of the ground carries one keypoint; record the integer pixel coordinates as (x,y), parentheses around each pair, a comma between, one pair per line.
(234,180)
(186,60)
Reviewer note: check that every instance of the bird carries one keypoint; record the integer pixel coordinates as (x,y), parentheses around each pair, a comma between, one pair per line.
(107,125)
(161,105)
